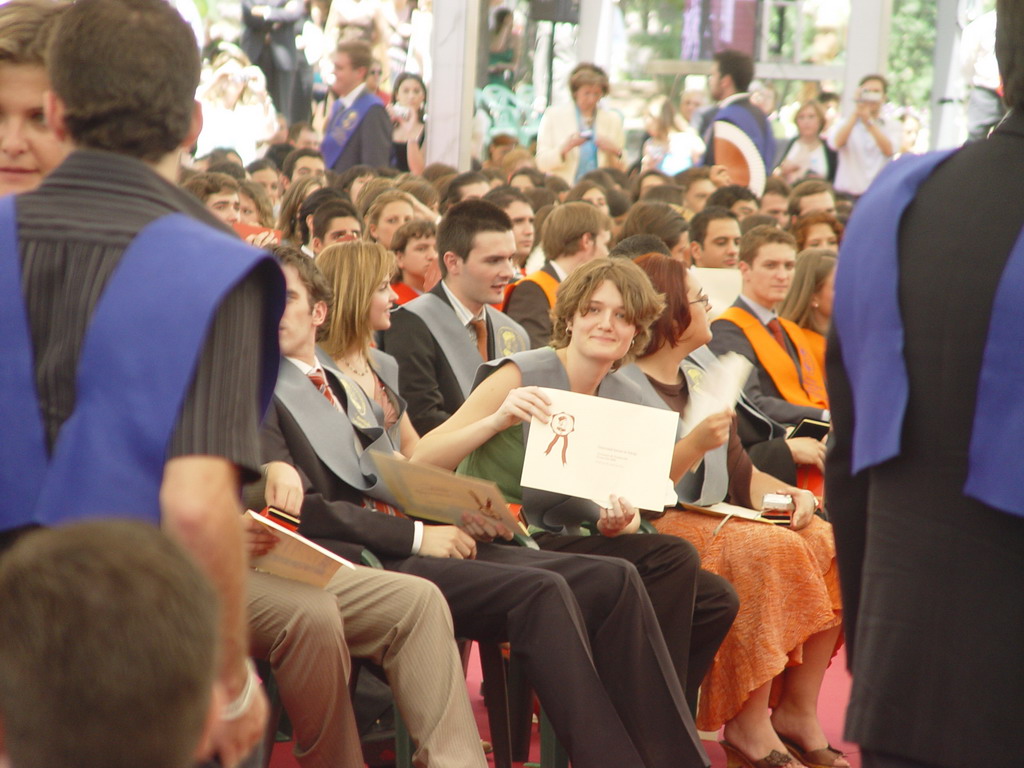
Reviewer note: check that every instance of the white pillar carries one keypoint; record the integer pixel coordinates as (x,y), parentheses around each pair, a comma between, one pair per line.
(867,44)
(947,83)
(453,52)
(594,36)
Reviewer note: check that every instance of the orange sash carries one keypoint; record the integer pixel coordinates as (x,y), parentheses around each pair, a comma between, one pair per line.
(805,386)
(547,283)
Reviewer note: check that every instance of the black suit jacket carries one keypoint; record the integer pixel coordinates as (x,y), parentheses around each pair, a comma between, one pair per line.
(931,578)
(370,143)
(332,511)
(277,32)
(425,378)
(528,305)
(727,337)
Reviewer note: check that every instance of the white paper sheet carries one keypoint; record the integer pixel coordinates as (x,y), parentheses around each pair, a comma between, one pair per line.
(594,447)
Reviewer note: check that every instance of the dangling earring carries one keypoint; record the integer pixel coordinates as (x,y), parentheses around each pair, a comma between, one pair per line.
(568,330)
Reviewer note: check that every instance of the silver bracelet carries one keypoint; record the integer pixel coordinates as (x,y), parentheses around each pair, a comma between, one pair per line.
(241,704)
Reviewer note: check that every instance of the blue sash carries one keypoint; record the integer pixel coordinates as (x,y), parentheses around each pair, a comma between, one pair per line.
(870,328)
(109,456)
(747,121)
(342,124)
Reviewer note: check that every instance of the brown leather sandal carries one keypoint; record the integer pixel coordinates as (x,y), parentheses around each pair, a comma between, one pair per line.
(826,757)
(774,759)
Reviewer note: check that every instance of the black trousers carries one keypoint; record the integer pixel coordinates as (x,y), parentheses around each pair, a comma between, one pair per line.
(589,641)
(695,608)
(879,760)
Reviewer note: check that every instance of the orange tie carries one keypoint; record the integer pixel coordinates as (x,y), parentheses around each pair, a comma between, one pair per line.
(321,384)
(480,329)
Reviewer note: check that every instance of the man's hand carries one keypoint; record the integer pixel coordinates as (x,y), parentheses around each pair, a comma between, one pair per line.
(258,540)
(447,541)
(284,487)
(618,517)
(719,176)
(235,740)
(807,450)
(522,404)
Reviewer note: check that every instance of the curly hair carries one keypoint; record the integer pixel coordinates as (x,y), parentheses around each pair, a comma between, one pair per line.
(642,303)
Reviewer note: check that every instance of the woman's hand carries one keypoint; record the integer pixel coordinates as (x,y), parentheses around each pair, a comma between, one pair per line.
(713,431)
(608,146)
(618,517)
(522,404)
(571,143)
(262,239)
(805,505)
(807,450)
(284,487)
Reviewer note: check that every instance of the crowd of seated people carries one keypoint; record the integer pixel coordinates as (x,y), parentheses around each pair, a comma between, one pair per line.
(409,289)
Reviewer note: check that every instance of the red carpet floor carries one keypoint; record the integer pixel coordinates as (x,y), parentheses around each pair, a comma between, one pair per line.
(832,709)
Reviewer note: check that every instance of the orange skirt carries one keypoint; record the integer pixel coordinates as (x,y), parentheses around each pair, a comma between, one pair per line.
(788,588)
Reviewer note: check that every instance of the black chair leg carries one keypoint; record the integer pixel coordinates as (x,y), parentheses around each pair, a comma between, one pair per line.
(492,664)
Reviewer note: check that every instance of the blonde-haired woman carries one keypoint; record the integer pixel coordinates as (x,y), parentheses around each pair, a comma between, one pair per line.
(360,275)
(809,301)
(389,211)
(674,146)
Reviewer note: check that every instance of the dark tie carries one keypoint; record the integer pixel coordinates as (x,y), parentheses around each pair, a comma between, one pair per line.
(480,329)
(321,384)
(776,328)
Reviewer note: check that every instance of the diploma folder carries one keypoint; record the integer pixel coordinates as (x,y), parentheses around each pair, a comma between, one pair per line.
(296,557)
(436,494)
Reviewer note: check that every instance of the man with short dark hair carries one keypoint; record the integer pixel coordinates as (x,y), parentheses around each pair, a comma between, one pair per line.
(218,192)
(466,186)
(740,200)
(440,338)
(151,424)
(303,136)
(731,73)
(787,384)
(775,200)
(715,238)
(64,597)
(574,233)
(336,221)
(302,164)
(517,206)
(358,131)
(811,196)
(697,188)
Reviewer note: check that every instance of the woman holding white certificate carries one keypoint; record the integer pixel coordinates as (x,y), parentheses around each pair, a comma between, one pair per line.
(601,316)
(789,622)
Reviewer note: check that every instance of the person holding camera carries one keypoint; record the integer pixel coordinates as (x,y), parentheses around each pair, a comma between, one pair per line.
(575,139)
(866,140)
